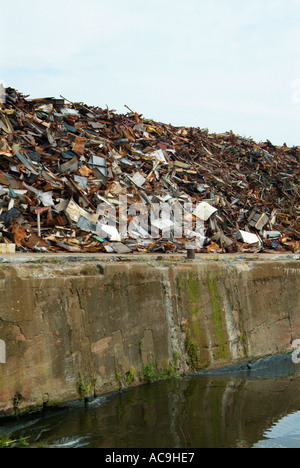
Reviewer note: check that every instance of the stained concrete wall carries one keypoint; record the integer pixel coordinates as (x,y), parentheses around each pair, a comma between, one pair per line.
(74,327)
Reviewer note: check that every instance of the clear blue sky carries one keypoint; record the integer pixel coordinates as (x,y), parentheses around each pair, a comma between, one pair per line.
(217,64)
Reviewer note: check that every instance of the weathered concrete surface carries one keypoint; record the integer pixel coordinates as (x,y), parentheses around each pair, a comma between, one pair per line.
(75,326)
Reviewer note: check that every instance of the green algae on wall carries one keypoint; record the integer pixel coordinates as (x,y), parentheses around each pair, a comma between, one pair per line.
(193,351)
(189,287)
(193,289)
(189,291)
(217,316)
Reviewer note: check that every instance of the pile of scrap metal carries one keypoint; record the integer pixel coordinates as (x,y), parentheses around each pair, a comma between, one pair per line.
(83,179)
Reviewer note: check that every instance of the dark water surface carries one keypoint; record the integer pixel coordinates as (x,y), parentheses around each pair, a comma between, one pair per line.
(259,406)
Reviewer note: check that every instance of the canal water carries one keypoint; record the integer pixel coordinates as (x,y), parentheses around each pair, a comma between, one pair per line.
(256,405)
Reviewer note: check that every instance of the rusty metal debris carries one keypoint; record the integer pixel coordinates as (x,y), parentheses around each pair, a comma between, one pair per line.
(67,169)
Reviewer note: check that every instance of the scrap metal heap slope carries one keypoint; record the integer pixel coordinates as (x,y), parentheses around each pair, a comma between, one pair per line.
(75,178)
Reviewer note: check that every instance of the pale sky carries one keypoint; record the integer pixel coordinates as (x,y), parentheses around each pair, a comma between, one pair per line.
(217,64)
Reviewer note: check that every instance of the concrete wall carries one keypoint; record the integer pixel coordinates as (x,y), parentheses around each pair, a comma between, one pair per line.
(74,327)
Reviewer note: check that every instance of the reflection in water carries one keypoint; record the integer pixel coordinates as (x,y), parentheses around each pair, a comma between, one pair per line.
(224,410)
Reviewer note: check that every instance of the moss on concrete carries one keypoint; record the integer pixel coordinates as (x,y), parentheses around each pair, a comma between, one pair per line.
(193,289)
(189,288)
(217,316)
(193,351)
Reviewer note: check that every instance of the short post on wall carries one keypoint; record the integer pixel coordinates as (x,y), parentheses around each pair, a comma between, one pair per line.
(191,254)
